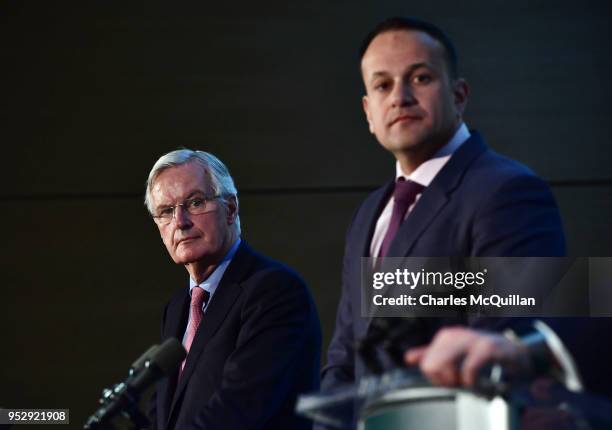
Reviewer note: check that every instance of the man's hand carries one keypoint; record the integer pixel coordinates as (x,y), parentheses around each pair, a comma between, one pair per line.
(457,354)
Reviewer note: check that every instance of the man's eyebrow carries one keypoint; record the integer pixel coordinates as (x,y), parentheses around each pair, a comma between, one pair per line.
(379,75)
(195,193)
(418,66)
(192,194)
(408,71)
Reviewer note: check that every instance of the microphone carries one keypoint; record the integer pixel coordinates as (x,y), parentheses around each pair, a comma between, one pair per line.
(140,361)
(547,356)
(156,362)
(389,333)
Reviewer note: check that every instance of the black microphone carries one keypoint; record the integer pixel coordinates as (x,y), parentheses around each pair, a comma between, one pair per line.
(142,360)
(156,362)
(389,333)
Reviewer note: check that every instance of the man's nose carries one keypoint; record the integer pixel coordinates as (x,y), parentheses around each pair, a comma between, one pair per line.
(182,218)
(402,95)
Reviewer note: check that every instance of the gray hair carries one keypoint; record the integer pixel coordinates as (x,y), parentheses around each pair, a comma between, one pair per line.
(218,175)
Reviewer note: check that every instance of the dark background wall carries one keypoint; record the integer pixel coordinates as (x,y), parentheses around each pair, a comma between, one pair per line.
(92,93)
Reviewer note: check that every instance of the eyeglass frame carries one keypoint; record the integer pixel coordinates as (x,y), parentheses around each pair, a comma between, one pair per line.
(159,218)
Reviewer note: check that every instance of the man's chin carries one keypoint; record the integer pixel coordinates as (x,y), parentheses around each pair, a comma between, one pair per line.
(187,258)
(404,145)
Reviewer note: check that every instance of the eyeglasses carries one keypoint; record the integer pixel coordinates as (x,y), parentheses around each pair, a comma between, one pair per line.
(196,206)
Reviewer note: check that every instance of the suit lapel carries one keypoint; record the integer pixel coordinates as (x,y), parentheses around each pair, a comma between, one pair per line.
(225,296)
(364,227)
(423,214)
(435,196)
(178,312)
(432,201)
(175,322)
(366,223)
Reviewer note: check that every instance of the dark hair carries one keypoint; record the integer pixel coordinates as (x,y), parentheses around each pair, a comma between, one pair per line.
(411,23)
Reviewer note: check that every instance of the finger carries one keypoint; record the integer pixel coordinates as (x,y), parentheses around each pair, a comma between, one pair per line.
(447,375)
(413,356)
(479,354)
(441,361)
(447,348)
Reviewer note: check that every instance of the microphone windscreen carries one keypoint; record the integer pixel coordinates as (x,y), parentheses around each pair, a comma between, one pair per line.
(140,361)
(169,355)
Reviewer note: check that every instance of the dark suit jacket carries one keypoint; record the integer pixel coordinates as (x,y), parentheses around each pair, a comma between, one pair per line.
(479,204)
(257,348)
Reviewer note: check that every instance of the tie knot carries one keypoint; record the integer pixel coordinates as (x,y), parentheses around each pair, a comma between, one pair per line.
(199,297)
(406,191)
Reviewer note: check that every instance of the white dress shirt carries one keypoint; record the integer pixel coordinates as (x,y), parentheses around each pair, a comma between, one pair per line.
(423,175)
(211,283)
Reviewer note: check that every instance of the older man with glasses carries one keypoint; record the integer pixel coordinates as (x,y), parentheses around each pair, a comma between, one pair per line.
(249,324)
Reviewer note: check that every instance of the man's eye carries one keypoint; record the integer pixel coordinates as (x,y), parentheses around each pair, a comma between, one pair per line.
(194,203)
(166,211)
(422,79)
(381,86)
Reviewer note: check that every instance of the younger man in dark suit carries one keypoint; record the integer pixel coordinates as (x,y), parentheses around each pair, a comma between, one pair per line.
(248,323)
(451,196)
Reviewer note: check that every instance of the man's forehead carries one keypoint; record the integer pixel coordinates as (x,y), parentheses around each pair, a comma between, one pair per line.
(401,46)
(180,182)
(161,192)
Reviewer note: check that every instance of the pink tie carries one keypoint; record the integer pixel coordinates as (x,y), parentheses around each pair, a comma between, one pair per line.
(199,298)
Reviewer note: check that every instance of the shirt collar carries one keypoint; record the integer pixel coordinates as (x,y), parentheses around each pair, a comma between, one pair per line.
(210,284)
(427,171)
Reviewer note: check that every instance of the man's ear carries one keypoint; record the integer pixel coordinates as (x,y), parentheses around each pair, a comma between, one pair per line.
(232,209)
(461,92)
(366,109)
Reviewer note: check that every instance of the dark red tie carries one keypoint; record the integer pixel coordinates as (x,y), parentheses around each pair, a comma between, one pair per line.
(404,194)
